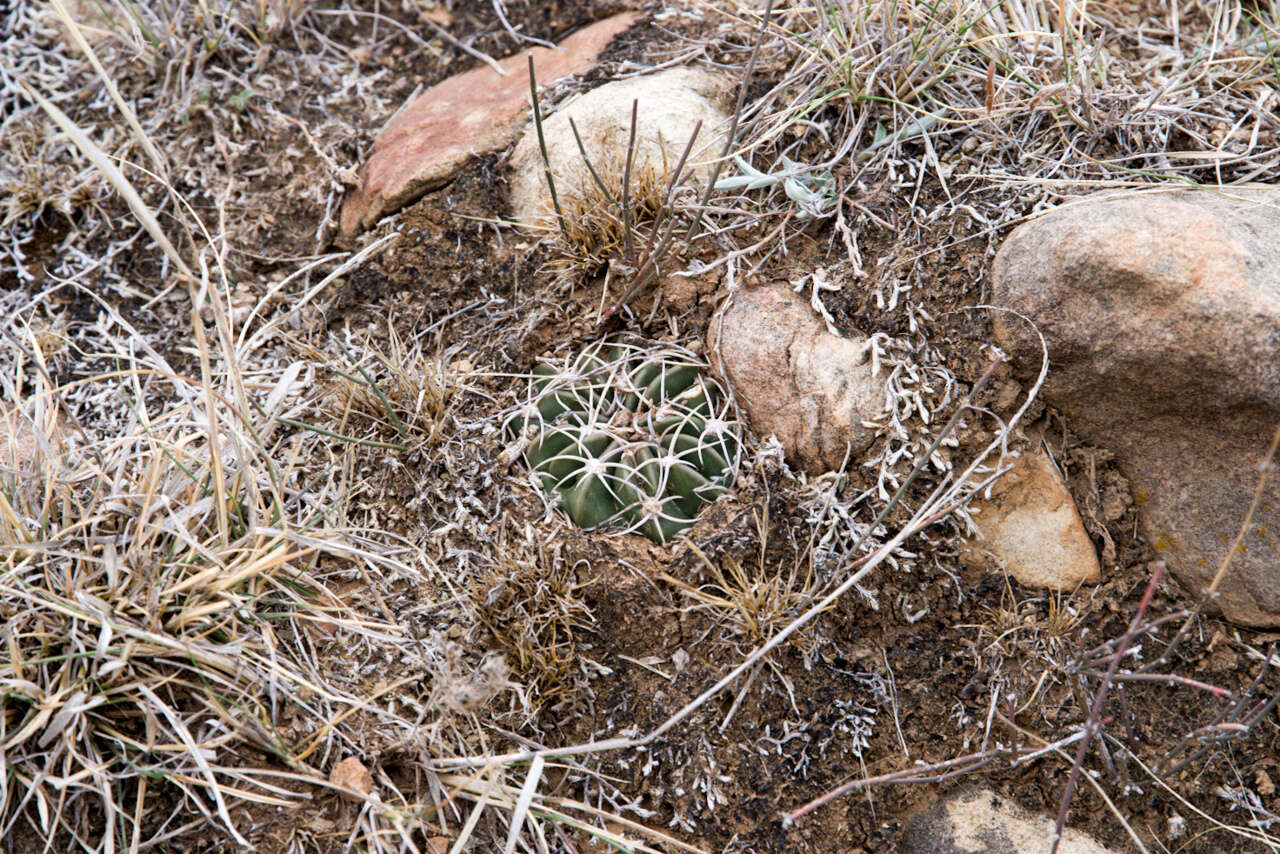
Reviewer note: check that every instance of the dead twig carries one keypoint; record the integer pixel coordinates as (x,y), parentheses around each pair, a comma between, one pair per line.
(1094,723)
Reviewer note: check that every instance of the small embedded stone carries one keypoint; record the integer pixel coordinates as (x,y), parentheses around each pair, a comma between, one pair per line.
(794,379)
(350,774)
(980,821)
(1030,528)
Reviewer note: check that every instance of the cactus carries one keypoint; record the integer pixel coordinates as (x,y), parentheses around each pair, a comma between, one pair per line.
(630,435)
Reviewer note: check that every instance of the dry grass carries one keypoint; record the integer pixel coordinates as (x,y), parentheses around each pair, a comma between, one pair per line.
(532,607)
(402,394)
(193,634)
(757,600)
(596,230)
(241,544)
(994,111)
(168,591)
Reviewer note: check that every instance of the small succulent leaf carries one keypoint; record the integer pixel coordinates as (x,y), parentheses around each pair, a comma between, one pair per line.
(698,456)
(638,381)
(555,402)
(590,364)
(687,424)
(630,495)
(745,182)
(600,446)
(545,373)
(695,399)
(685,481)
(715,454)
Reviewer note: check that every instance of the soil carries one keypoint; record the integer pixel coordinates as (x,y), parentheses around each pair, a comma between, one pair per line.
(725,789)
(925,671)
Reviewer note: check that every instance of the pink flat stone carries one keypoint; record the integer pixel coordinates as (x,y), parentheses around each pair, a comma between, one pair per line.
(464,116)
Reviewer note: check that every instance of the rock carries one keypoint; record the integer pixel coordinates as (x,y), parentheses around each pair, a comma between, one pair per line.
(795,379)
(1161,312)
(978,821)
(351,774)
(469,114)
(22,446)
(89,18)
(670,104)
(1031,528)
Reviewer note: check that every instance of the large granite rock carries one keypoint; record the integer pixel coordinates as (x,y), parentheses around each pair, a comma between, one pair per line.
(669,105)
(1161,311)
(469,114)
(794,379)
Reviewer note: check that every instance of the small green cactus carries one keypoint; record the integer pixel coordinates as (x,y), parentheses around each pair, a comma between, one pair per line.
(630,435)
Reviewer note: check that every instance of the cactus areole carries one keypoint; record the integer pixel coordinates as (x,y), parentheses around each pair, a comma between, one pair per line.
(630,435)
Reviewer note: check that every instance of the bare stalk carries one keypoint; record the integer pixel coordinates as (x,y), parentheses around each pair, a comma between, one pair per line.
(733,124)
(1094,722)
(542,146)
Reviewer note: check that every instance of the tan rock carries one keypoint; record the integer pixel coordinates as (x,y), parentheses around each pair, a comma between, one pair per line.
(89,20)
(1161,312)
(351,774)
(794,379)
(23,445)
(469,114)
(978,821)
(669,104)
(1031,529)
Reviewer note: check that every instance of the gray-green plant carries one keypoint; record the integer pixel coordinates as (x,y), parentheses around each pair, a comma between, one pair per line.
(632,435)
(813,191)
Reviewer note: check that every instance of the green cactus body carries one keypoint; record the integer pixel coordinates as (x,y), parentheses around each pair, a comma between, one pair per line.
(634,436)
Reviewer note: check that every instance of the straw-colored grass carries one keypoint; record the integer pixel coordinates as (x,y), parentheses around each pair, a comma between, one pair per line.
(242,538)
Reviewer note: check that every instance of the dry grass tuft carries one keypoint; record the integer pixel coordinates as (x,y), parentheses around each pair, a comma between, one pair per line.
(596,232)
(757,600)
(402,394)
(161,590)
(532,606)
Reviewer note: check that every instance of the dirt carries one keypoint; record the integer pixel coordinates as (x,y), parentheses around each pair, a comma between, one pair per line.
(871,687)
(727,788)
